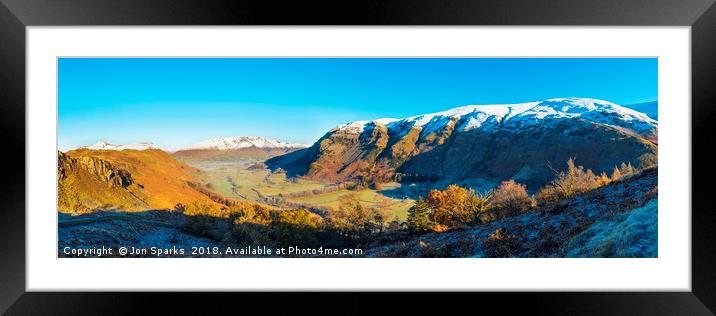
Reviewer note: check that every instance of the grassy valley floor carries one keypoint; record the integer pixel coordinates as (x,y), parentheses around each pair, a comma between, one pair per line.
(248,179)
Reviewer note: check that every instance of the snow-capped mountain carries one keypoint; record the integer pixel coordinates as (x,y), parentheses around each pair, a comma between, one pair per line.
(103,145)
(512,116)
(481,144)
(241,142)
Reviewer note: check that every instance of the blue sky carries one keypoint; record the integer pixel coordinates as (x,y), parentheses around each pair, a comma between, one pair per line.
(174,102)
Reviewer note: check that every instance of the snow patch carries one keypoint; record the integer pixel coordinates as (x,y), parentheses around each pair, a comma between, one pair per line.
(239,142)
(103,145)
(491,117)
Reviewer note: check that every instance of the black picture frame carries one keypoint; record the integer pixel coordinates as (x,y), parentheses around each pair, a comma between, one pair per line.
(700,15)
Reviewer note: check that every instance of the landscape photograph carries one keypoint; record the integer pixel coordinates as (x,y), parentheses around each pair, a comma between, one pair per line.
(357,158)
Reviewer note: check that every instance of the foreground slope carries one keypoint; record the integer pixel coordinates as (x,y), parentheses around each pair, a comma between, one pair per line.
(617,220)
(146,229)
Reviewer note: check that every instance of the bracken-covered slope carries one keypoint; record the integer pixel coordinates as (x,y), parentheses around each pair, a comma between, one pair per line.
(481,144)
(128,180)
(618,220)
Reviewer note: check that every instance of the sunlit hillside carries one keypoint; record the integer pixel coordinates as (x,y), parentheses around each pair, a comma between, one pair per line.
(129,180)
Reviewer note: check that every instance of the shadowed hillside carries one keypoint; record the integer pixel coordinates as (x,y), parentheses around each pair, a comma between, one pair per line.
(529,156)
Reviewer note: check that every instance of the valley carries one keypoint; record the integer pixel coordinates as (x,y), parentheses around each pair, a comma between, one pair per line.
(541,179)
(238,177)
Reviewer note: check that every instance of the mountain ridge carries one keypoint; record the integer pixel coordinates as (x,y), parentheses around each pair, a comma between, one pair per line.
(241,142)
(480,144)
(488,116)
(237,147)
(104,145)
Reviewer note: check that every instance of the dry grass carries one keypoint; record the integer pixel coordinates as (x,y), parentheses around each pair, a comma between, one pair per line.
(620,235)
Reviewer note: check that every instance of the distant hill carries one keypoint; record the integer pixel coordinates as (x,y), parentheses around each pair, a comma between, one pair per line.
(130,180)
(237,147)
(480,145)
(650,108)
(239,142)
(103,145)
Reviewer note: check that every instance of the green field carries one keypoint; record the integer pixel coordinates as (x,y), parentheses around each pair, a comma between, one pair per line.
(372,198)
(235,178)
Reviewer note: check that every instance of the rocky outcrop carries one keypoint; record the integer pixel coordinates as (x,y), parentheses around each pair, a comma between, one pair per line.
(101,169)
(87,183)
(127,180)
(337,156)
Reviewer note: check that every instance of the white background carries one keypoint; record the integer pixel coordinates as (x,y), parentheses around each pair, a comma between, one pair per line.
(670,271)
